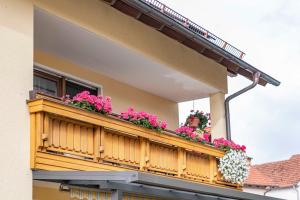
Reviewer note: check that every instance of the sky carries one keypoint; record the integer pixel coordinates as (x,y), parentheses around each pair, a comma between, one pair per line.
(265,119)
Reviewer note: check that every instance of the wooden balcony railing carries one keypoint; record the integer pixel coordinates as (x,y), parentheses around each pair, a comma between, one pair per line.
(64,137)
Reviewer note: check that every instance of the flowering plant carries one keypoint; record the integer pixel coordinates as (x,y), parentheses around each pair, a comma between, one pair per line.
(234,166)
(227,145)
(90,102)
(143,119)
(190,133)
(201,117)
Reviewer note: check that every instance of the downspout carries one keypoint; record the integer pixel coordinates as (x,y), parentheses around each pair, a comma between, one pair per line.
(296,187)
(268,189)
(256,77)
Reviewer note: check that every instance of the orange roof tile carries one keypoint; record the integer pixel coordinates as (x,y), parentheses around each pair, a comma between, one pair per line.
(276,174)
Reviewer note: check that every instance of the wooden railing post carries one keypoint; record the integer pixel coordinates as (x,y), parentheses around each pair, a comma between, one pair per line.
(213,169)
(39,130)
(97,143)
(32,139)
(101,147)
(181,161)
(144,153)
(45,134)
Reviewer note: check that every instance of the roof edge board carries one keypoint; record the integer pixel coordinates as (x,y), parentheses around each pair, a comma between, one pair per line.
(134,177)
(189,34)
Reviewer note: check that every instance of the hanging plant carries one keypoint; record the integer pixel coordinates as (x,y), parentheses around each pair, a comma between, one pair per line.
(234,166)
(197,120)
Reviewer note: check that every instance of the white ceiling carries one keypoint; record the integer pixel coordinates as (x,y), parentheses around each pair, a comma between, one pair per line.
(57,36)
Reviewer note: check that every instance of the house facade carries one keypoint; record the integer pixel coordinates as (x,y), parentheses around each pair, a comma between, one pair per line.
(276,179)
(140,53)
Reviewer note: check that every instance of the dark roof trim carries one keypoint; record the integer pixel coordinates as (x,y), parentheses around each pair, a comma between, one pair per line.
(144,183)
(160,20)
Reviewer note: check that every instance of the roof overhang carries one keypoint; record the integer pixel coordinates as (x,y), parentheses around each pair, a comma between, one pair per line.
(148,12)
(143,183)
(57,36)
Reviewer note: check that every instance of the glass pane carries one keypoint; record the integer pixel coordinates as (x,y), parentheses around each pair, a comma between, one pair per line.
(45,86)
(72,89)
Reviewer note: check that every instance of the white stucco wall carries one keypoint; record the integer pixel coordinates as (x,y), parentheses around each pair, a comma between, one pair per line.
(285,193)
(254,190)
(16,65)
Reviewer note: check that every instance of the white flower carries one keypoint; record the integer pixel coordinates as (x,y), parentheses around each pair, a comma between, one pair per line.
(234,166)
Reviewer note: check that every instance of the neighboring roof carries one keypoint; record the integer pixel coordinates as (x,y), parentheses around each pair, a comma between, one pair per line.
(167,21)
(280,174)
(144,183)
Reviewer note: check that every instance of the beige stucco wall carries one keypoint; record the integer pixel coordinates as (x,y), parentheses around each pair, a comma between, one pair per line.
(123,96)
(16,64)
(48,191)
(100,18)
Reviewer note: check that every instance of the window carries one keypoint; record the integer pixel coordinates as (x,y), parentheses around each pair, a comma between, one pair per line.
(58,85)
(47,83)
(72,88)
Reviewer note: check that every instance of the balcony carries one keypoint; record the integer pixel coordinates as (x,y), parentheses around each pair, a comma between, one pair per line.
(64,137)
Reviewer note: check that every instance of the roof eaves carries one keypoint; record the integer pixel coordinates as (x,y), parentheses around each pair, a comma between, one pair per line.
(174,24)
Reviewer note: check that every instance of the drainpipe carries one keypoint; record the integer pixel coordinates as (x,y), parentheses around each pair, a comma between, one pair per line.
(296,186)
(268,189)
(227,113)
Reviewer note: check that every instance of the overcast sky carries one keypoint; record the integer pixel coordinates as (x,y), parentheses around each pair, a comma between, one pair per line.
(266,119)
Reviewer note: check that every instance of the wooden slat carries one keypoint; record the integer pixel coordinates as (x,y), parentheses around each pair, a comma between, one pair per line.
(121,148)
(50,135)
(127,149)
(137,151)
(90,141)
(70,136)
(47,130)
(83,139)
(108,145)
(55,127)
(115,146)
(63,135)
(131,149)
(77,138)
(97,142)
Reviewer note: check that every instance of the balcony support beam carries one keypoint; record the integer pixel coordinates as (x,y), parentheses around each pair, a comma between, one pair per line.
(218,120)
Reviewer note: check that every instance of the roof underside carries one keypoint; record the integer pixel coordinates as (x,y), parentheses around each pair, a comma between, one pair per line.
(191,35)
(98,54)
(143,183)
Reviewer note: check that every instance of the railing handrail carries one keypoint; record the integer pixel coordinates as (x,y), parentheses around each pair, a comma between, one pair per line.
(195,28)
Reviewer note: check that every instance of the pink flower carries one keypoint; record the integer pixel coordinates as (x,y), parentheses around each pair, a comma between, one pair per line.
(193,135)
(163,124)
(124,115)
(243,148)
(206,137)
(143,119)
(97,103)
(153,120)
(223,143)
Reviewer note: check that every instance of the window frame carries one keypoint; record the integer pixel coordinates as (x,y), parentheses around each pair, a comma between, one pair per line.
(62,77)
(51,77)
